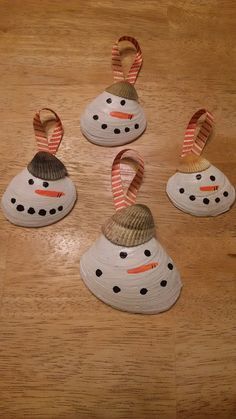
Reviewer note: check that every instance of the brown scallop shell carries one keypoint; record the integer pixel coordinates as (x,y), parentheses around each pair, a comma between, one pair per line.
(192,163)
(130,226)
(46,166)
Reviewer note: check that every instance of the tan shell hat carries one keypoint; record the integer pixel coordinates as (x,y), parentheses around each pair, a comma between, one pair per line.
(192,163)
(130,226)
(123,89)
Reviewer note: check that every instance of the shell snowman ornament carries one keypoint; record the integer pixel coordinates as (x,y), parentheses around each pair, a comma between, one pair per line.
(198,187)
(115,117)
(127,268)
(42,193)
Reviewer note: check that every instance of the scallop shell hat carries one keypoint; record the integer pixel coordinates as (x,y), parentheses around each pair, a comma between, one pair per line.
(198,187)
(127,268)
(115,117)
(42,193)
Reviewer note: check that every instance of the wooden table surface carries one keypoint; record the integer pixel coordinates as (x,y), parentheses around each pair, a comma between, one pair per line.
(63,353)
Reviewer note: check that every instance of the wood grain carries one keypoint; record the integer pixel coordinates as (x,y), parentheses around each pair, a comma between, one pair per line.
(63,353)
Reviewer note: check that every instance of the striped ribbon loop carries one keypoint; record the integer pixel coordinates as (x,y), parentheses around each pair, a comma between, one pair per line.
(195,143)
(44,143)
(121,197)
(118,71)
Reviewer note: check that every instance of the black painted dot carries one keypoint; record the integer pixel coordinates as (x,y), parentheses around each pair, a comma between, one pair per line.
(52,211)
(98,272)
(136,126)
(217,199)
(163,283)
(30,182)
(45,184)
(226,193)
(123,255)
(31,210)
(104,126)
(60,208)
(122,102)
(212,178)
(116,289)
(95,117)
(127,129)
(109,100)
(117,131)
(206,201)
(143,291)
(170,266)
(181,190)
(192,198)
(42,212)
(147,252)
(20,208)
(13,200)
(198,177)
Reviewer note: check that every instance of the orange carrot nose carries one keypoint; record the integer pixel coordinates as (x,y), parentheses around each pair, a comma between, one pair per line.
(122,115)
(52,194)
(143,268)
(209,188)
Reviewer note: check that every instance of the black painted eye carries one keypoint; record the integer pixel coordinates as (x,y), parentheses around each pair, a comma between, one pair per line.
(147,252)
(109,100)
(95,117)
(122,102)
(123,255)
(98,272)
(212,178)
(170,266)
(198,177)
(45,184)
(30,182)
(181,190)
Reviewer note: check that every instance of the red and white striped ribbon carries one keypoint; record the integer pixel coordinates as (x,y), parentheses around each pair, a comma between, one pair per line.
(121,197)
(195,143)
(118,71)
(44,143)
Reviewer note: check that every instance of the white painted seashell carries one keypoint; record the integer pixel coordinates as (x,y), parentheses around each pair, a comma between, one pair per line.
(114,117)
(139,278)
(203,192)
(30,201)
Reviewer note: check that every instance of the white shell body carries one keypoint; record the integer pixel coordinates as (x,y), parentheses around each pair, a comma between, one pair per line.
(188,192)
(107,130)
(149,292)
(25,207)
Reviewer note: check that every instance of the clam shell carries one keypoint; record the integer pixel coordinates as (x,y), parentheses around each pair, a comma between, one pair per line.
(203,193)
(152,288)
(101,127)
(192,163)
(23,206)
(130,226)
(46,166)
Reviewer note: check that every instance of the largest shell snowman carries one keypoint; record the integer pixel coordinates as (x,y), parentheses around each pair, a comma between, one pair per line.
(115,117)
(42,193)
(198,187)
(127,268)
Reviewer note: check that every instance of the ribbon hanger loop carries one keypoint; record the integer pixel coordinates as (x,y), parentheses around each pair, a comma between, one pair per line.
(121,197)
(44,143)
(194,143)
(117,68)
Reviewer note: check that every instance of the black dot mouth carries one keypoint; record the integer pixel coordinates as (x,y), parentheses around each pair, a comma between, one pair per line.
(116,131)
(31,210)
